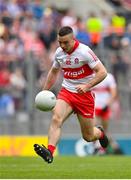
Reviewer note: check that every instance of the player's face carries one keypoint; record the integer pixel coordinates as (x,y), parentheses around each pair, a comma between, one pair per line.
(66,42)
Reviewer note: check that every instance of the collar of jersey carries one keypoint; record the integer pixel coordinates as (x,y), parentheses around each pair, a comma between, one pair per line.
(75,46)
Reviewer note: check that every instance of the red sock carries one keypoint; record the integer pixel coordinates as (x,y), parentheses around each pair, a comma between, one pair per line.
(51,148)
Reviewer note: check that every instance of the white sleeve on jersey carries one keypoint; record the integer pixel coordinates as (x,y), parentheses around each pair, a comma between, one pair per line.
(56,62)
(91,57)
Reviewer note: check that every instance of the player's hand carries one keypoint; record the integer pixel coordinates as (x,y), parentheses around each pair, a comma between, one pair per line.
(82,88)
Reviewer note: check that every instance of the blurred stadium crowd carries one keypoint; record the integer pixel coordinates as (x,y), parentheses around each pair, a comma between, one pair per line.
(30,27)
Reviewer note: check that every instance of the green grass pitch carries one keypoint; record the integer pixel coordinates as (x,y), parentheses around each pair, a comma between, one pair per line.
(66,167)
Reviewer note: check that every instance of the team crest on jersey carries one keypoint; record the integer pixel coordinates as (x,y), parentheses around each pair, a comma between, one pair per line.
(76,61)
(68,61)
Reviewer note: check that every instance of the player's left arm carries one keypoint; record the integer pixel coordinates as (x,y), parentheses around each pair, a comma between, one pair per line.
(100,74)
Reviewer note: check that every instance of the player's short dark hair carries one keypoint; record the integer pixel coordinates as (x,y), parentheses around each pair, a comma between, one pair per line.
(65,30)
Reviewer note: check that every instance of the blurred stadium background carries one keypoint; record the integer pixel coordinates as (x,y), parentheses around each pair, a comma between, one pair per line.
(27,44)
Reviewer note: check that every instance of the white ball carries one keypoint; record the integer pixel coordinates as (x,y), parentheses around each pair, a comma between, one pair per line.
(45,100)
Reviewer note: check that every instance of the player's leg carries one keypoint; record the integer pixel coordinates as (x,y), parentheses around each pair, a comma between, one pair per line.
(105,124)
(105,118)
(60,113)
(98,112)
(90,132)
(100,121)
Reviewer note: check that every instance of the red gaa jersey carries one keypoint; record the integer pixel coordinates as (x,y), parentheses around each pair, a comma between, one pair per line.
(77,65)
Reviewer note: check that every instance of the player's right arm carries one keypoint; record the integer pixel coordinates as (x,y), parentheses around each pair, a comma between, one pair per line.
(53,72)
(51,78)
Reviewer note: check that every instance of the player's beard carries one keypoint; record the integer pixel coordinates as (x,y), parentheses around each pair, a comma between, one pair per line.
(67,50)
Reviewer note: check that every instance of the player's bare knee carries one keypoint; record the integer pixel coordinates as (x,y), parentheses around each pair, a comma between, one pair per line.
(56,119)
